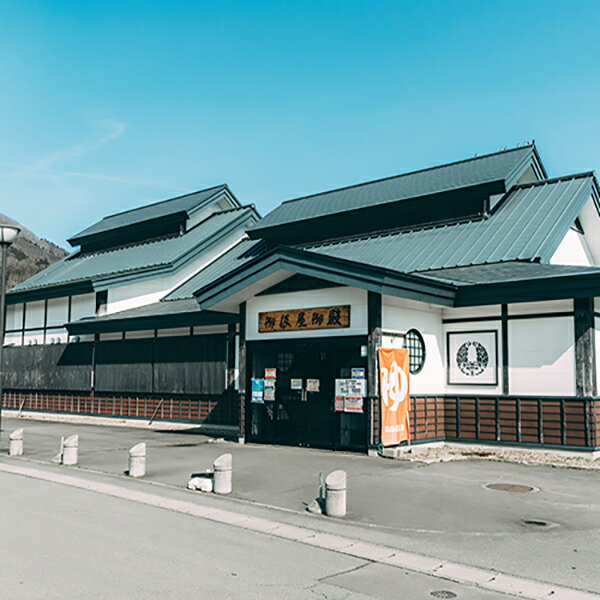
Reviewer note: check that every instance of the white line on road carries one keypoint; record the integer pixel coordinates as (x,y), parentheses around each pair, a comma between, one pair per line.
(376,553)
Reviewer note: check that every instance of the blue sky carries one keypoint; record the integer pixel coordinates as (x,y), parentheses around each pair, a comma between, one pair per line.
(105,106)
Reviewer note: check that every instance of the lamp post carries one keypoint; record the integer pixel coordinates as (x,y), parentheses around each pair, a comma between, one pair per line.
(8,233)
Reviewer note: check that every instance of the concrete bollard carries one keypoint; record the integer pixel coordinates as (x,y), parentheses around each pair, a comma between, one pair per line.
(15,443)
(70,450)
(335,494)
(137,460)
(222,478)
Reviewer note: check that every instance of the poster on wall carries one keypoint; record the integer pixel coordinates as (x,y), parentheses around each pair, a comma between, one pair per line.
(394,384)
(472,357)
(353,405)
(258,388)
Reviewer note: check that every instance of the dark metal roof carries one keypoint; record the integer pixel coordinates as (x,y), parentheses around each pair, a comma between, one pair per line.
(145,256)
(528,224)
(504,166)
(182,204)
(159,315)
(509,271)
(240,254)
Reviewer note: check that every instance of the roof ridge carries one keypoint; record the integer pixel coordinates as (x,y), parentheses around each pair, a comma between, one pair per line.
(130,210)
(550,180)
(425,170)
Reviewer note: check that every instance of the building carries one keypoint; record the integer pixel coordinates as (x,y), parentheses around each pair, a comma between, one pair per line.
(486,269)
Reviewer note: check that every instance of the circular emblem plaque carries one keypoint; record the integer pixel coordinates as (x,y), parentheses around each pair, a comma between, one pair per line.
(472,358)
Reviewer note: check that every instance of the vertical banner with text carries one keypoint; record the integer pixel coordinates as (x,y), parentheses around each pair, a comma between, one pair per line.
(395,395)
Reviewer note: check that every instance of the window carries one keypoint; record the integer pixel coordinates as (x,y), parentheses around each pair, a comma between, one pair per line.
(415,344)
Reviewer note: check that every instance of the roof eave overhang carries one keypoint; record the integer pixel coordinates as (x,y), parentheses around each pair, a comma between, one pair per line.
(148,322)
(72,288)
(332,269)
(530,290)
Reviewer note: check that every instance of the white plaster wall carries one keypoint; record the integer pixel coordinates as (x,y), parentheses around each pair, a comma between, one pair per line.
(132,295)
(58,311)
(534,308)
(117,335)
(210,329)
(82,306)
(206,212)
(357,299)
(478,390)
(399,316)
(541,356)
(136,335)
(597,327)
(34,314)
(472,312)
(590,221)
(14,316)
(573,250)
(176,331)
(34,337)
(13,339)
(57,336)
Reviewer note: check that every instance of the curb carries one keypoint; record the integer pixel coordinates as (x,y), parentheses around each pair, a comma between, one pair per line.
(387,555)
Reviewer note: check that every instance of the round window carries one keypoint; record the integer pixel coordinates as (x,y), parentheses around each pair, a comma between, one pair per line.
(413,340)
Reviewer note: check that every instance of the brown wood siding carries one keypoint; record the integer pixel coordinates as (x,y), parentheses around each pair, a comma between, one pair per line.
(564,421)
(214,410)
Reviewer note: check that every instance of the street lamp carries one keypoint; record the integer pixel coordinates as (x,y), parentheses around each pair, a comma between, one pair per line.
(8,233)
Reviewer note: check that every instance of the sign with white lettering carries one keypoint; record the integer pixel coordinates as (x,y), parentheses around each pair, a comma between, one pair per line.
(327,317)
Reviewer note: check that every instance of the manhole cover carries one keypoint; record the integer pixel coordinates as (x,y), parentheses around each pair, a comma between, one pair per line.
(443,594)
(511,488)
(537,524)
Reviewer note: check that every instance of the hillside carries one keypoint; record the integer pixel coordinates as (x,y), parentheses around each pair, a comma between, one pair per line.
(29,254)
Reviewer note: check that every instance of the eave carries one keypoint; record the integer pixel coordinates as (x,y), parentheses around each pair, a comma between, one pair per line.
(332,269)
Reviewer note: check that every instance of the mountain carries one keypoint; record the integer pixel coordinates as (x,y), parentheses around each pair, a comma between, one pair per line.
(29,254)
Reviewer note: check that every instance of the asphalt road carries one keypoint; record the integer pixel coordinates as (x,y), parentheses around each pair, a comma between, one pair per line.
(61,542)
(440,510)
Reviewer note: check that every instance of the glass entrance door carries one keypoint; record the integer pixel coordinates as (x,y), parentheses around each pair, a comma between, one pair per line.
(302,411)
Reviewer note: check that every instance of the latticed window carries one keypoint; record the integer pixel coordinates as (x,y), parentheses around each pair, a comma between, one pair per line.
(413,340)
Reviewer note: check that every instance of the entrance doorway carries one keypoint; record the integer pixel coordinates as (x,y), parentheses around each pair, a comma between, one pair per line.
(303,410)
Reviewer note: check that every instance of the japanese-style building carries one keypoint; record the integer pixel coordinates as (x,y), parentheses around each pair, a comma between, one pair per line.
(195,309)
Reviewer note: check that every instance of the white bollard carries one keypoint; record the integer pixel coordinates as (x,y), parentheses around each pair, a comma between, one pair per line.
(335,494)
(222,478)
(137,460)
(70,450)
(15,443)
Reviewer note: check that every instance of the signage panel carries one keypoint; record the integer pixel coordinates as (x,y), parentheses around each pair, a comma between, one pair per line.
(326,317)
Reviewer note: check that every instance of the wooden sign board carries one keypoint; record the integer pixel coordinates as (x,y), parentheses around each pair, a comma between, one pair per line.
(327,317)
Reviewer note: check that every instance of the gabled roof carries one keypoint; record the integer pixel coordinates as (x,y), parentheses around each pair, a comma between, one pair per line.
(153,257)
(505,166)
(527,224)
(187,204)
(241,253)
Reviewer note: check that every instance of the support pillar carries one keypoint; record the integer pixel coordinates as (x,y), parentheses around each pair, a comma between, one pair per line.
(505,358)
(585,348)
(242,355)
(374,303)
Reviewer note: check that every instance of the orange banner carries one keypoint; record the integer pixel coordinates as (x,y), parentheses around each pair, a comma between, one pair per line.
(394,382)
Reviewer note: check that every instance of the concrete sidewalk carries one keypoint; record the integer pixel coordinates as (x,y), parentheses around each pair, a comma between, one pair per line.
(440,510)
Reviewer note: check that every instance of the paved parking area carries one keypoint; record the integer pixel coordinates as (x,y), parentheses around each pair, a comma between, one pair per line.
(441,510)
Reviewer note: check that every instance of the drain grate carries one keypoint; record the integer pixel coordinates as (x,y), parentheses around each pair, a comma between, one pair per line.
(511,488)
(443,594)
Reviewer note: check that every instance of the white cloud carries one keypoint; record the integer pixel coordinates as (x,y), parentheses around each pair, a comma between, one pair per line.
(111,129)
